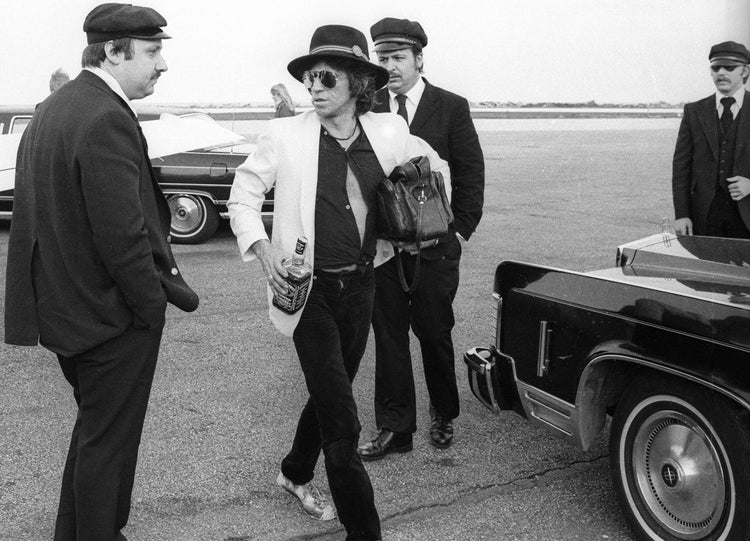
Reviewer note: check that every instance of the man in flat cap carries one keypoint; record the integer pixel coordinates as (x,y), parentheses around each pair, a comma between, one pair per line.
(711,164)
(90,270)
(326,165)
(443,120)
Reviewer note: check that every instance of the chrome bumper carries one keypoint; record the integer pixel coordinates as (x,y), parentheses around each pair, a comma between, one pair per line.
(484,377)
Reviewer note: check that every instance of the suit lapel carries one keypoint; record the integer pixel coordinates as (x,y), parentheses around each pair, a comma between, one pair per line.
(425,109)
(706,112)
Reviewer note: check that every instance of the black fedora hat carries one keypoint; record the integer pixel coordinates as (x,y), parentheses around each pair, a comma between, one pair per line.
(338,41)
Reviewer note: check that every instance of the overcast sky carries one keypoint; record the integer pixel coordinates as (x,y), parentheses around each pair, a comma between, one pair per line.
(619,51)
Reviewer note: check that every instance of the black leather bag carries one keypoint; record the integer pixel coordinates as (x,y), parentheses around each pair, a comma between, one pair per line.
(413,207)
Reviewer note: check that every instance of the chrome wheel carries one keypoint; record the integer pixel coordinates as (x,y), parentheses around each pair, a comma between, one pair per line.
(679,474)
(194,219)
(680,459)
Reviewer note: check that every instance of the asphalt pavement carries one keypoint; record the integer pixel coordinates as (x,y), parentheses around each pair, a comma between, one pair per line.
(228,388)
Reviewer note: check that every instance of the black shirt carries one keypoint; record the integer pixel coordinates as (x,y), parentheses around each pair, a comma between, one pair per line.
(337,241)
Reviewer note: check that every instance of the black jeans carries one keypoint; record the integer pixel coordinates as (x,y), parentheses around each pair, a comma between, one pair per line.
(111,386)
(330,340)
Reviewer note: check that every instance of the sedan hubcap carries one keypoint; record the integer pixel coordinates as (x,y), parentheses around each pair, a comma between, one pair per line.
(679,474)
(187,214)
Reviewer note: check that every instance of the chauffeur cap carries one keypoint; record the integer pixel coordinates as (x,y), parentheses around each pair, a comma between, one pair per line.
(391,34)
(112,21)
(729,53)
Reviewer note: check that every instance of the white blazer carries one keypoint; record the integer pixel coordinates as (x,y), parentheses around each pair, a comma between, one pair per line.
(287,158)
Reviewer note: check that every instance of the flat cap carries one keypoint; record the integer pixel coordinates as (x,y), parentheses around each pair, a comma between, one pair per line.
(391,34)
(113,21)
(729,53)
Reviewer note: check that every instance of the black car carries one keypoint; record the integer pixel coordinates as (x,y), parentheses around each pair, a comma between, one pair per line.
(196,183)
(659,344)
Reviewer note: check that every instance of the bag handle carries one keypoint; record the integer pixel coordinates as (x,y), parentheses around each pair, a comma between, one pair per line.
(406,287)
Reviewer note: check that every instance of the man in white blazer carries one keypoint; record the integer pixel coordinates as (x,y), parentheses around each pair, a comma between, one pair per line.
(325,166)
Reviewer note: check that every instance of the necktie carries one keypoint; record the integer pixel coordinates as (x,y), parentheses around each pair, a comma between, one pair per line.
(401,100)
(726,114)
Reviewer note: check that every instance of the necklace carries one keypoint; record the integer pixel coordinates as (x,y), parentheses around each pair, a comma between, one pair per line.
(343,138)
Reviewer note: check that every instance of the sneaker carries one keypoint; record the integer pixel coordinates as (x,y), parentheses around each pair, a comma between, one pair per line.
(313,501)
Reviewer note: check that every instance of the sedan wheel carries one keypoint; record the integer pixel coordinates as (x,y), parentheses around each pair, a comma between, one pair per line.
(194,218)
(679,456)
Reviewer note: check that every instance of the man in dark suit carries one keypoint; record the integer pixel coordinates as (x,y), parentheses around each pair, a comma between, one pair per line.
(443,120)
(90,269)
(711,163)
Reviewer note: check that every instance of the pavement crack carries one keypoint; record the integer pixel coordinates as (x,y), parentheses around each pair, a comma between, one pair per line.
(481,492)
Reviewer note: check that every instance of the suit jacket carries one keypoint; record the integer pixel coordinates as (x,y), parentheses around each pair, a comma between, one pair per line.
(287,158)
(88,255)
(695,165)
(443,120)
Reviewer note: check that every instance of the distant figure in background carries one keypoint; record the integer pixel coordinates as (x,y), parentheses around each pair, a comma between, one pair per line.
(711,163)
(59,78)
(282,100)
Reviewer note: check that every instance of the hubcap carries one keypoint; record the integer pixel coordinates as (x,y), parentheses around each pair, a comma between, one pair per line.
(679,474)
(187,214)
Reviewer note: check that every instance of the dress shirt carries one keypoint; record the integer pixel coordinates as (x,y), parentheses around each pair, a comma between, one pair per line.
(111,83)
(738,96)
(347,188)
(412,99)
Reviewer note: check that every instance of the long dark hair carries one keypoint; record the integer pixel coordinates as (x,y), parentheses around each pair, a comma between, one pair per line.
(361,81)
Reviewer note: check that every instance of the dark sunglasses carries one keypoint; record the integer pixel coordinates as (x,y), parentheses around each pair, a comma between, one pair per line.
(327,78)
(716,69)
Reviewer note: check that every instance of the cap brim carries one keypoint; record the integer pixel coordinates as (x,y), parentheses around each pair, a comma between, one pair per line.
(158,35)
(297,67)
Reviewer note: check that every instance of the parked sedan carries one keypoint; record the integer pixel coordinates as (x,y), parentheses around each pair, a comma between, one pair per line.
(197,186)
(196,183)
(661,344)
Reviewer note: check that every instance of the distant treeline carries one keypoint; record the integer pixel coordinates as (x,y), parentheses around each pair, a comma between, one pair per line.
(573,105)
(476,105)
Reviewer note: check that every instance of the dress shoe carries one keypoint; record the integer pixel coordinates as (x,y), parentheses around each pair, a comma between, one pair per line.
(441,431)
(386,442)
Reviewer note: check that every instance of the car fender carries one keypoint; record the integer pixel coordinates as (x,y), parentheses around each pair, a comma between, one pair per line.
(605,377)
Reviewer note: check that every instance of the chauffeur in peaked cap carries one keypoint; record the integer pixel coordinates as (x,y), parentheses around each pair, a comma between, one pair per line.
(97,299)
(711,163)
(443,120)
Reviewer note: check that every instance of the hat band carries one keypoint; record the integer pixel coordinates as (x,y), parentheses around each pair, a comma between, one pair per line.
(395,39)
(354,49)
(152,32)
(735,58)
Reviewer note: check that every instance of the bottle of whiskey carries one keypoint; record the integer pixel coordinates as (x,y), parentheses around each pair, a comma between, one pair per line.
(298,280)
